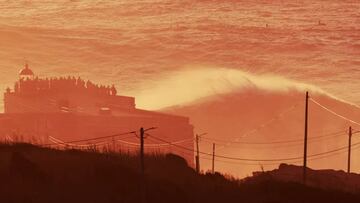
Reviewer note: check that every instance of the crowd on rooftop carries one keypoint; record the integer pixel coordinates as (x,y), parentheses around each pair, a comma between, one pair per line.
(64,84)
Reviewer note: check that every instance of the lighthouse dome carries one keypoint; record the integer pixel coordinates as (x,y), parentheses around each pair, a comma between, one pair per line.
(26,71)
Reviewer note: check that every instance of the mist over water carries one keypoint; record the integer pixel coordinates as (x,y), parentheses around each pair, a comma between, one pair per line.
(197,55)
(198,83)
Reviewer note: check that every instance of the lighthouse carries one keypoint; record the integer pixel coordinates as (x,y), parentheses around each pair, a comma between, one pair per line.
(26,73)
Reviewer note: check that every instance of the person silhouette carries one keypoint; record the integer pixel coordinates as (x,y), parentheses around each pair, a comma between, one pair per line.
(113,90)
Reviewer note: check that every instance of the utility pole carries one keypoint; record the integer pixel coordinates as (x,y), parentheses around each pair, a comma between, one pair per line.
(213,159)
(142,137)
(349,150)
(142,167)
(197,158)
(305,136)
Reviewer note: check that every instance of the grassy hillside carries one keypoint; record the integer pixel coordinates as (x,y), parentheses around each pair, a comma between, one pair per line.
(33,174)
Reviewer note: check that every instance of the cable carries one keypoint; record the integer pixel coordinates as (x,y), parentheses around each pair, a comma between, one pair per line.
(334,113)
(277,117)
(60,142)
(156,145)
(259,160)
(333,154)
(97,138)
(272,164)
(335,134)
(277,146)
(226,157)
(246,164)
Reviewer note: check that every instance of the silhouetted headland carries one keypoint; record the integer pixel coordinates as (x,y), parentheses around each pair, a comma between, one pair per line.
(33,174)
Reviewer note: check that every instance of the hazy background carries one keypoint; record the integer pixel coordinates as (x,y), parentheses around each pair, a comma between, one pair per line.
(229,65)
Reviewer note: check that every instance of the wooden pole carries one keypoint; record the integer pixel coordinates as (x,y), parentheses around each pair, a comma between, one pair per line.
(197,158)
(349,150)
(305,136)
(142,166)
(213,159)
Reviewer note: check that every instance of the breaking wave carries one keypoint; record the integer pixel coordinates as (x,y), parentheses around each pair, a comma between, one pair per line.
(197,83)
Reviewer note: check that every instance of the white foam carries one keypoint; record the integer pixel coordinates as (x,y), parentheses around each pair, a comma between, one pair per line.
(194,83)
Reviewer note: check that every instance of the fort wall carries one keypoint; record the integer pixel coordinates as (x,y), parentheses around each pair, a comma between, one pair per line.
(69,109)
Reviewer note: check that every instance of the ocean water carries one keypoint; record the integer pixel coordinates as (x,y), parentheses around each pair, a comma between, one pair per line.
(180,52)
(134,44)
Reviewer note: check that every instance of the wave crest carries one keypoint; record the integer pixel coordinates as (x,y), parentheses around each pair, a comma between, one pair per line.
(195,83)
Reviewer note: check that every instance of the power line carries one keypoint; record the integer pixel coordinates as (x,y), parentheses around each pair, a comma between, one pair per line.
(268,146)
(259,160)
(58,141)
(92,139)
(275,118)
(333,112)
(339,151)
(156,145)
(335,134)
(277,163)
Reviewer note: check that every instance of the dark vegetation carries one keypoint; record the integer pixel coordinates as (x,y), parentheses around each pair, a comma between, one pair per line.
(32,174)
